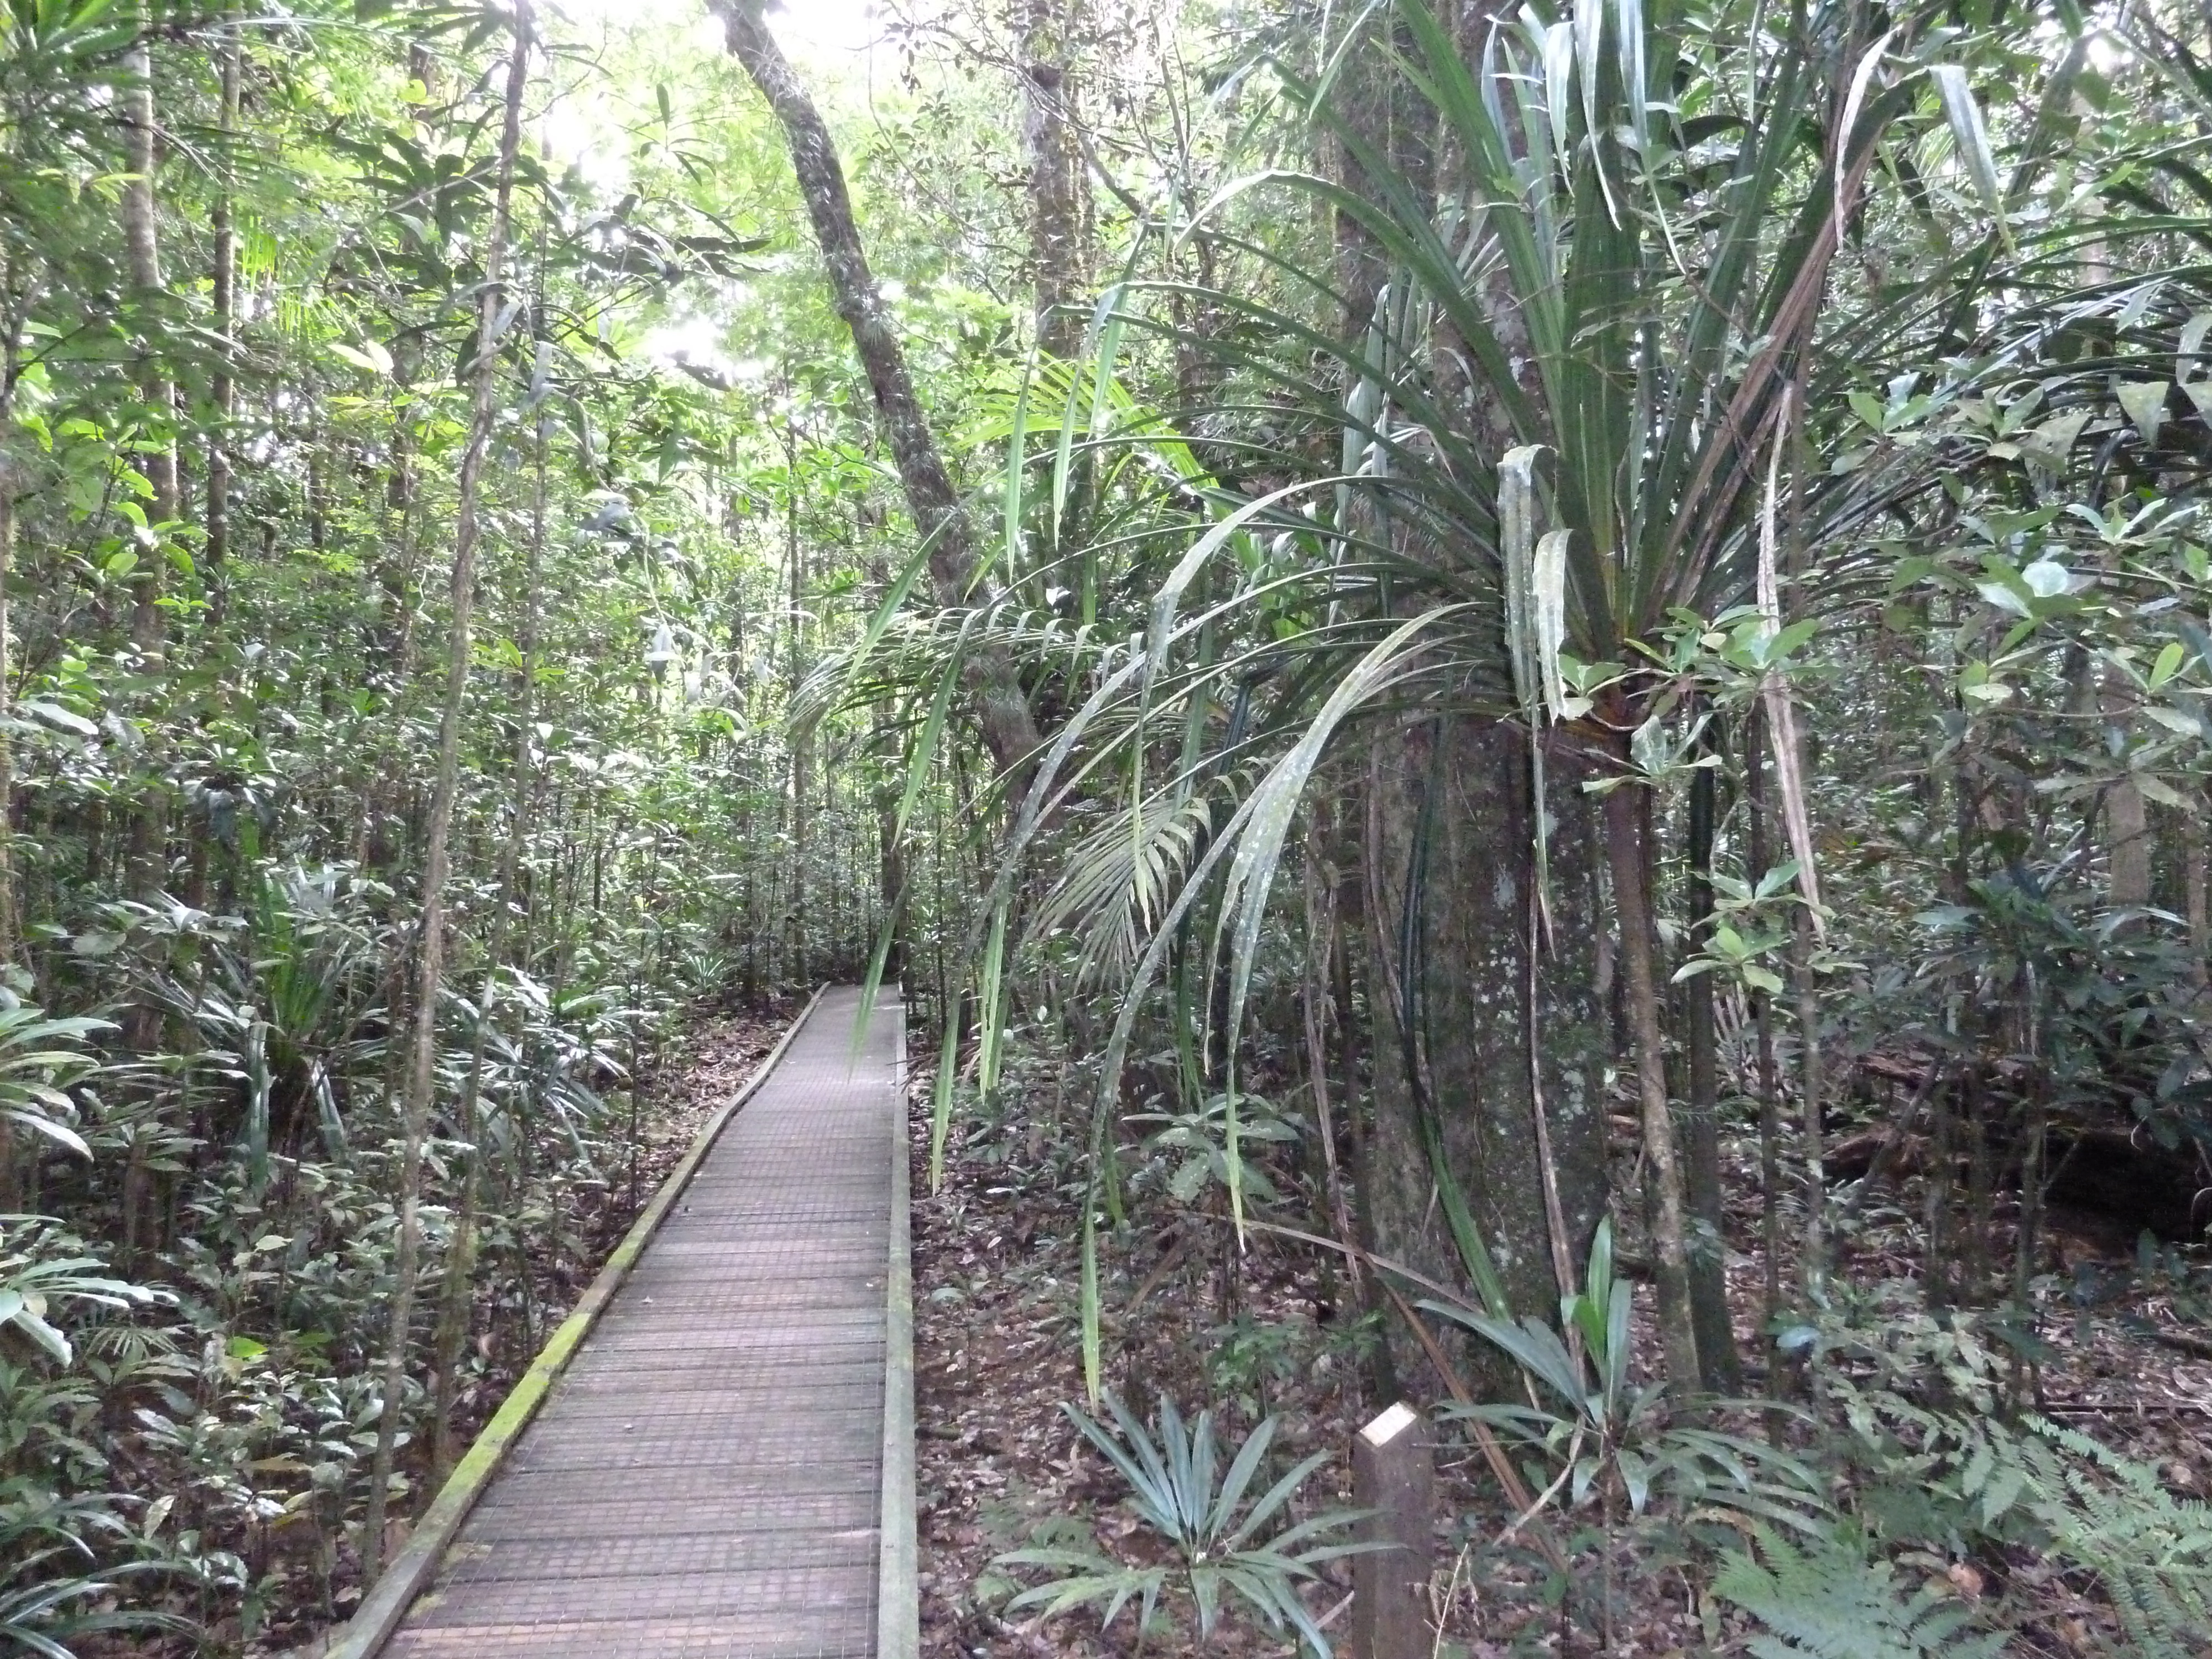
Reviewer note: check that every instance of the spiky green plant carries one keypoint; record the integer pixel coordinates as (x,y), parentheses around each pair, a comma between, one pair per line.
(1223,1545)
(1558,430)
(1601,1438)
(53,1592)
(1595,397)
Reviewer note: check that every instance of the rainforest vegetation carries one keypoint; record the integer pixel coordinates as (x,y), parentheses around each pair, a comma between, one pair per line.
(1522,694)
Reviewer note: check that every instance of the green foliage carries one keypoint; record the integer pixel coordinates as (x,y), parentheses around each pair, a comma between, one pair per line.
(32,1283)
(1832,1601)
(52,1592)
(1224,1544)
(1560,439)
(67,1547)
(1604,370)
(1600,1438)
(1202,1144)
(1932,1466)
(2151,1552)
(39,1059)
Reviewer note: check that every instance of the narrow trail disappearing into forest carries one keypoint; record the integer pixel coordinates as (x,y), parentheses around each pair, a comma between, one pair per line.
(709,1478)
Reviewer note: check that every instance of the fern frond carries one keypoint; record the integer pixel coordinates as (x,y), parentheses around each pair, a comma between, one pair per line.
(1835,1602)
(2151,1551)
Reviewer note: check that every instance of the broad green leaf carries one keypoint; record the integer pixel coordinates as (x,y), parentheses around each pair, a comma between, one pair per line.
(2144,404)
(367,355)
(1972,135)
(2169,662)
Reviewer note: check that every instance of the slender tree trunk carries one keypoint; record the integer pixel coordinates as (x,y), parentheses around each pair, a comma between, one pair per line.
(1770,1087)
(10,923)
(893,873)
(460,1299)
(794,561)
(142,257)
(15,298)
(1381,1374)
(795,911)
(1624,842)
(2196,907)
(1000,706)
(1812,1101)
(2028,1225)
(430,948)
(1057,229)
(143,254)
(2126,814)
(225,296)
(15,303)
(1709,1302)
(1810,1086)
(1935,1211)
(1321,930)
(1981,1184)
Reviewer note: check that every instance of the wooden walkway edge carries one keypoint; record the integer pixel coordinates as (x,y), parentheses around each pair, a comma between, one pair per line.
(713,1456)
(898,1594)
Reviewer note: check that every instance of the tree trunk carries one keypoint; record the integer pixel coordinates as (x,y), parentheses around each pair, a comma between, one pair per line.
(1378,104)
(143,259)
(430,947)
(1709,1303)
(2127,815)
(1770,1086)
(15,304)
(2194,895)
(460,1299)
(1320,936)
(1058,233)
(794,560)
(225,298)
(1625,855)
(1000,707)
(142,255)
(1811,1104)
(1481,1054)
(892,875)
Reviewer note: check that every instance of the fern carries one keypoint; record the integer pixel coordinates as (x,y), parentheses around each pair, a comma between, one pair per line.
(1835,1602)
(1965,1485)
(2150,1550)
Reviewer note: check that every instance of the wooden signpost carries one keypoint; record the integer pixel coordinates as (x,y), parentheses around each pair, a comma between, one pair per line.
(1391,1479)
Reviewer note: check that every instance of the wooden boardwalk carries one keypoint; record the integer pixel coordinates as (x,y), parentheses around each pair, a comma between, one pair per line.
(708,1478)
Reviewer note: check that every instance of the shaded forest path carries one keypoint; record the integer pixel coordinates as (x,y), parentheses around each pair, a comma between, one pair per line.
(709,1476)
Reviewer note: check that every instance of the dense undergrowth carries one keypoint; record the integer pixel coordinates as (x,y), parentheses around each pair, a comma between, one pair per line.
(190,1440)
(1910,1484)
(1526,692)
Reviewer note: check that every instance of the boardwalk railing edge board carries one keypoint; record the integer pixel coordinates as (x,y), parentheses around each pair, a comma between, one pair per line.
(898,1596)
(380,1612)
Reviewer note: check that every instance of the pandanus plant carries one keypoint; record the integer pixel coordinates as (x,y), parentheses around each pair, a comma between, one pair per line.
(1580,413)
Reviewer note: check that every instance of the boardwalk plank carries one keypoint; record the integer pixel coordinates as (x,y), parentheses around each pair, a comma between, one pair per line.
(704,1483)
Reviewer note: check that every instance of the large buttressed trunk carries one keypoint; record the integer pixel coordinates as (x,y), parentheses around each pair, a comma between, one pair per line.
(1507,1062)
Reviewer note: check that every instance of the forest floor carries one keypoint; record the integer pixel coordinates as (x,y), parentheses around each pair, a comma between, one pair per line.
(719,1053)
(998,1352)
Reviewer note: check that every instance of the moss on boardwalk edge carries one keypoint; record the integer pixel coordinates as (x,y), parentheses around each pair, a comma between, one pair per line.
(898,1594)
(373,1623)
